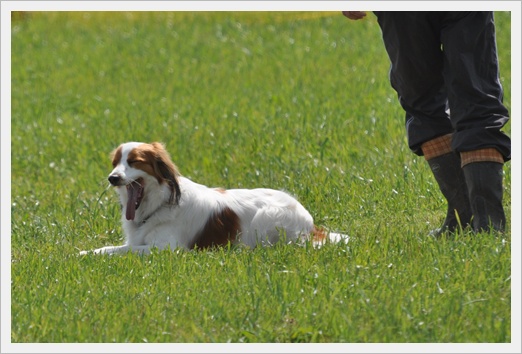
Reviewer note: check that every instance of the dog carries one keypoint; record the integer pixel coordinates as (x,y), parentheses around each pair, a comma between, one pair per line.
(162,209)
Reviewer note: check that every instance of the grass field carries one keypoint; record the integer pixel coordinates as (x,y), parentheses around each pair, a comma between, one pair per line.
(293,101)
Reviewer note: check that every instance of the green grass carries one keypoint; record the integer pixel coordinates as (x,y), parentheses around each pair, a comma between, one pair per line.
(293,101)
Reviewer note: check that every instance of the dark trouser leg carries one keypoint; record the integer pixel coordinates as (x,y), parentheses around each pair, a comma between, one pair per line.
(475,98)
(471,75)
(412,41)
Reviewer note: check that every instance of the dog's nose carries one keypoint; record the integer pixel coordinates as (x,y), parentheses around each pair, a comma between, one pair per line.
(114,180)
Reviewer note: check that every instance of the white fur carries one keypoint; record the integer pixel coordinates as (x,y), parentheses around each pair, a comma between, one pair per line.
(264,215)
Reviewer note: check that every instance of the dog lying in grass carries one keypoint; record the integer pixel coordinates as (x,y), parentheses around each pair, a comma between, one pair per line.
(161,208)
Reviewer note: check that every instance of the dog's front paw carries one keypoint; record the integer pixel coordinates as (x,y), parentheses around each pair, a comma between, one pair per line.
(96,251)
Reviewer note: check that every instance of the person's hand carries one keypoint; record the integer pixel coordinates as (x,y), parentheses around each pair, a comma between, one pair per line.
(354,15)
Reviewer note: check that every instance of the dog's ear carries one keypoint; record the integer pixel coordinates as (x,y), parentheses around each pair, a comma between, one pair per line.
(167,170)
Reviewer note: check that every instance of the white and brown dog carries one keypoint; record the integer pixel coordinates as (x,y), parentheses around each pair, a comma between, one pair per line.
(160,208)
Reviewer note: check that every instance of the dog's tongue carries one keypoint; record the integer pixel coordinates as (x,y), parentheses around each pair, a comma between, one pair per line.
(133,191)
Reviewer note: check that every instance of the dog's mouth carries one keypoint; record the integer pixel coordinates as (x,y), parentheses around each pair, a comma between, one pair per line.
(134,197)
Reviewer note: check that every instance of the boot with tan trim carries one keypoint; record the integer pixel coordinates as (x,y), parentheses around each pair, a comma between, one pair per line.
(483,170)
(484,181)
(446,168)
(452,184)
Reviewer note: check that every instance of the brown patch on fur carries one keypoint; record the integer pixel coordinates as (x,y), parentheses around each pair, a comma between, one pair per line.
(319,234)
(155,160)
(220,190)
(116,156)
(221,228)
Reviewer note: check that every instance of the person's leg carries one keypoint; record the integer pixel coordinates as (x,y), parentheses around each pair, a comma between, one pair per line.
(412,40)
(477,112)
(471,75)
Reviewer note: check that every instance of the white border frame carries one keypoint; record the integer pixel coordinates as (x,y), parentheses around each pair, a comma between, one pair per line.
(8,6)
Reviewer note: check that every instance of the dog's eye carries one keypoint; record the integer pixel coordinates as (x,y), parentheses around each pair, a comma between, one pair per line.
(131,162)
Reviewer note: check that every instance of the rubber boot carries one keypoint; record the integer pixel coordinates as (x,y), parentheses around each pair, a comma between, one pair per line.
(484,181)
(452,183)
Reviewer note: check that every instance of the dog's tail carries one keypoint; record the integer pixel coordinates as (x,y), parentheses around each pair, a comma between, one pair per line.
(320,236)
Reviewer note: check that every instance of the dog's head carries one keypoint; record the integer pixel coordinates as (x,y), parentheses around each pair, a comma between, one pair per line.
(137,165)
